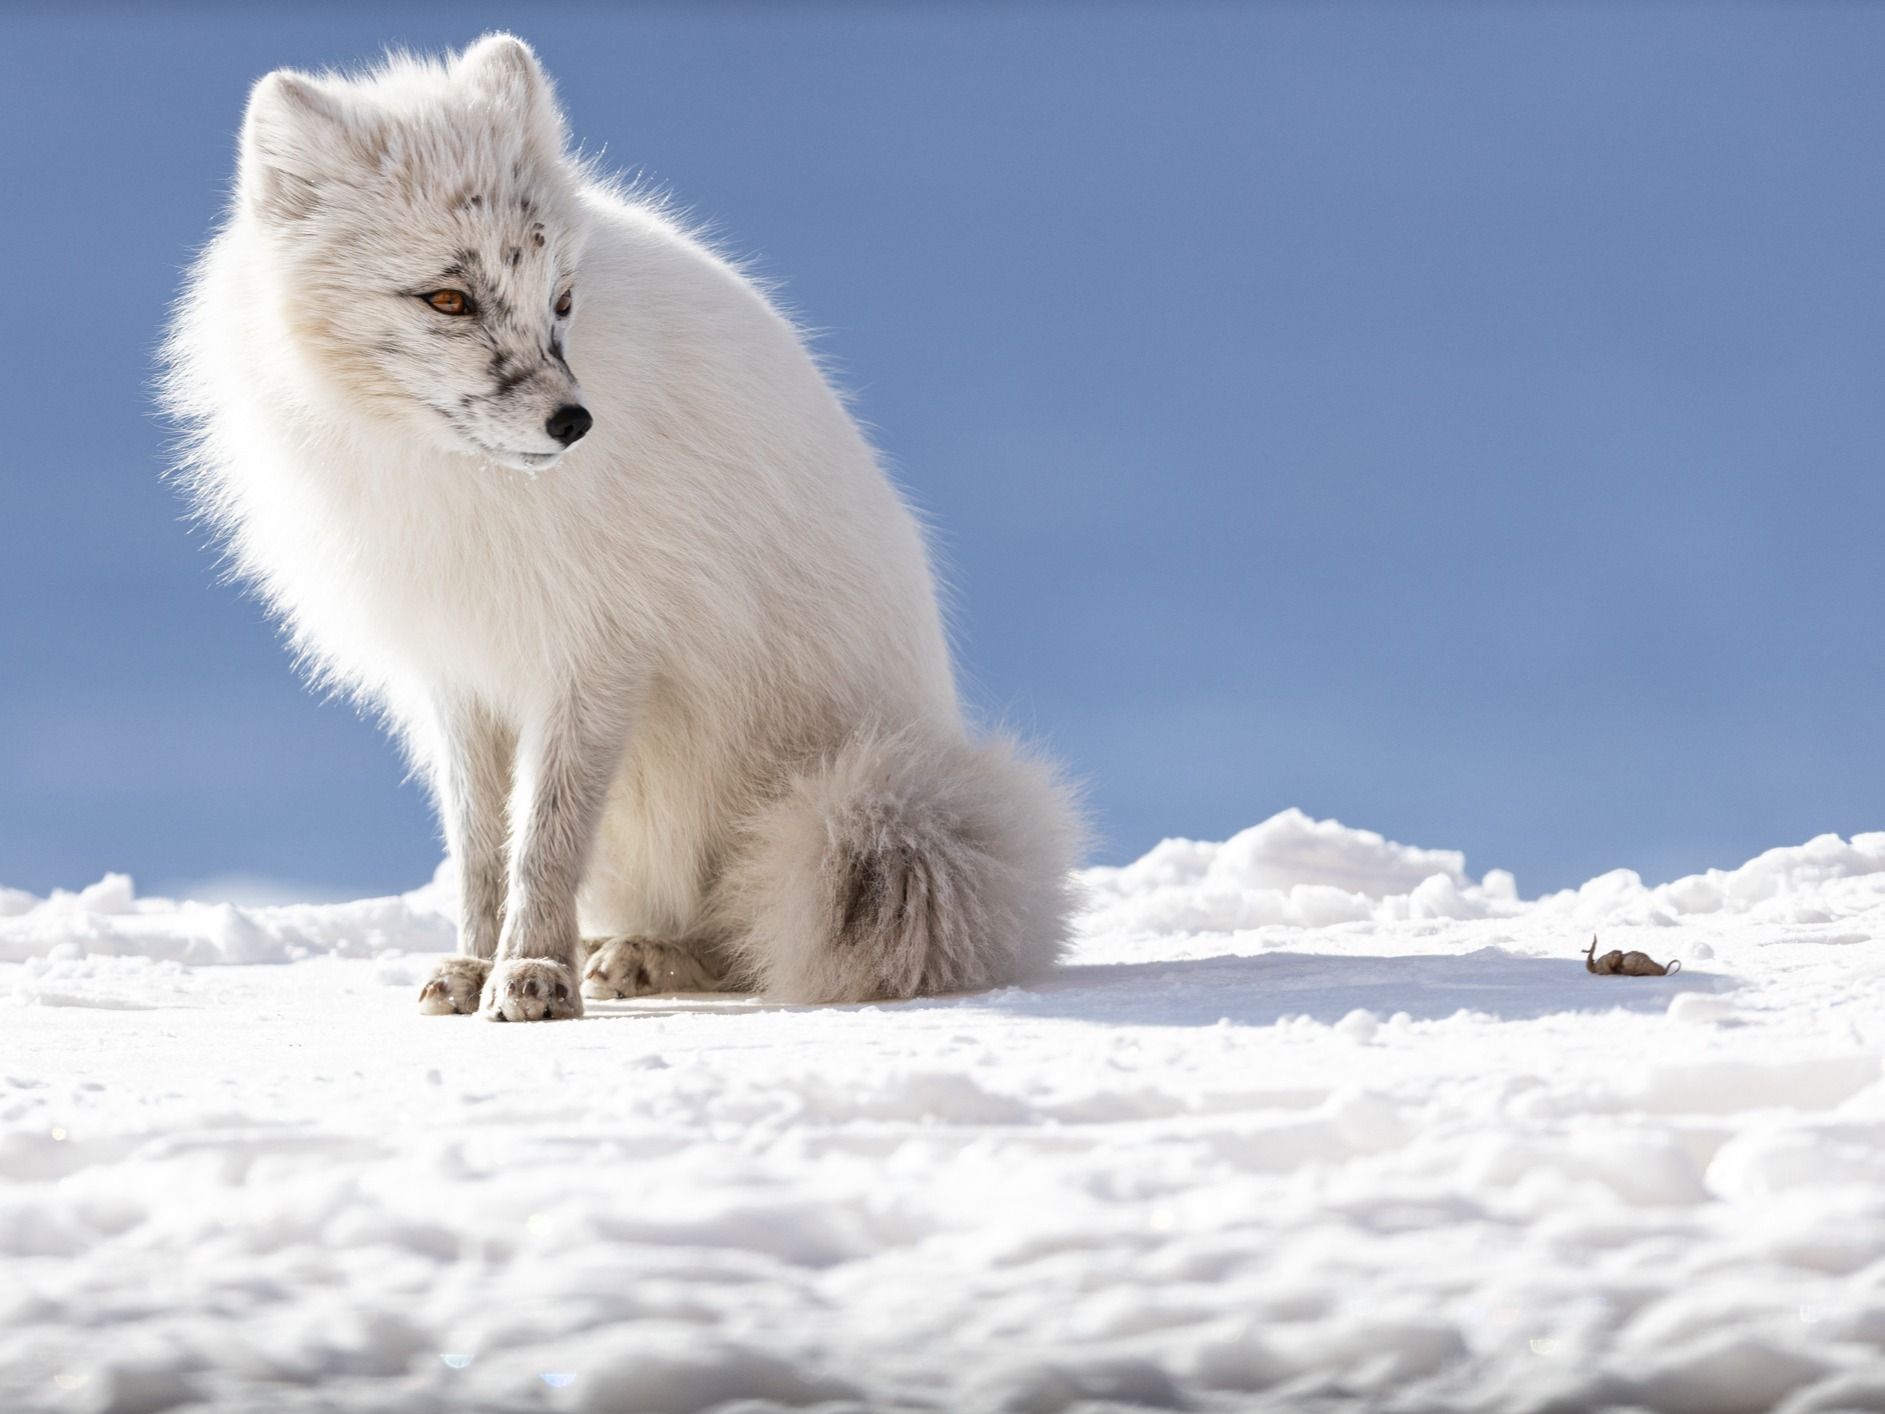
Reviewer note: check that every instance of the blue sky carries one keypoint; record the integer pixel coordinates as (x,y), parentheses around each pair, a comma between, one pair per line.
(1465,421)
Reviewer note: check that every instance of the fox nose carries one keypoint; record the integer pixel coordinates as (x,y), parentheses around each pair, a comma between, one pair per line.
(568,423)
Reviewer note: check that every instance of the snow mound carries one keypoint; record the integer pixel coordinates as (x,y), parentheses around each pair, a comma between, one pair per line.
(1291,870)
(108,919)
(1823,880)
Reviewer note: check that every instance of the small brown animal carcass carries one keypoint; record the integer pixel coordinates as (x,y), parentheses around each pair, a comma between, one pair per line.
(1616,963)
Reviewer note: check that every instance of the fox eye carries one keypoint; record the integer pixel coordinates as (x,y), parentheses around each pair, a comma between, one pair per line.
(453,302)
(563,304)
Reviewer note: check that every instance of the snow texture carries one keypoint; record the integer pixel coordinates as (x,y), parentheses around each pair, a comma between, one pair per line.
(1313,1120)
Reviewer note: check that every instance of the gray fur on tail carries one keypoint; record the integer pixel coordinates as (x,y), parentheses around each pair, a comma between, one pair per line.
(906,864)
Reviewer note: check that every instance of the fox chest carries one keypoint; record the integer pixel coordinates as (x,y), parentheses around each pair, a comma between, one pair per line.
(452,591)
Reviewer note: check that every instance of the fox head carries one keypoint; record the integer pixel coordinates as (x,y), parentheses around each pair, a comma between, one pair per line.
(426,230)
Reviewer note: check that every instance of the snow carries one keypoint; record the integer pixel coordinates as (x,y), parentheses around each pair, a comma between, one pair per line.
(1311,1120)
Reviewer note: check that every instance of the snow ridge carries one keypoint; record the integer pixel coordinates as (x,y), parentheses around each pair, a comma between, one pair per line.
(1290,871)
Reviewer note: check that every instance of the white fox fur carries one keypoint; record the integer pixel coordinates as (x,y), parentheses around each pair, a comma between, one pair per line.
(683,687)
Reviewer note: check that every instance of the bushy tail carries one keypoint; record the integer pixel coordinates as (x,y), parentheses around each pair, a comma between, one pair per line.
(907,863)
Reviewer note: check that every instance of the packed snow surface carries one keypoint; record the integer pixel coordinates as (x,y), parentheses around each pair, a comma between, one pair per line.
(1311,1120)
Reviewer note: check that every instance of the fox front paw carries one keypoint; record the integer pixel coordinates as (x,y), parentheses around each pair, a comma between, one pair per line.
(454,986)
(530,989)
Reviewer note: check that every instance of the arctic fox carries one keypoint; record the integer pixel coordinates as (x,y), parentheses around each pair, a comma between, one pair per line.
(523,464)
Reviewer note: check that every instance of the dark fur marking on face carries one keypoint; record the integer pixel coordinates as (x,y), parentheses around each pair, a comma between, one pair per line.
(502,375)
(525,205)
(537,236)
(516,256)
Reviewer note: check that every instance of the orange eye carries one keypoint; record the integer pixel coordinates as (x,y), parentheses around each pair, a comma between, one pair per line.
(563,304)
(450,302)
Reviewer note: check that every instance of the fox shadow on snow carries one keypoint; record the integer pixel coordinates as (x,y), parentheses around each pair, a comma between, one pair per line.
(1259,990)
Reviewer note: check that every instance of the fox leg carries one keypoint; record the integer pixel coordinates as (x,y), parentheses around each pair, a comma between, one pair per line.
(473,783)
(565,762)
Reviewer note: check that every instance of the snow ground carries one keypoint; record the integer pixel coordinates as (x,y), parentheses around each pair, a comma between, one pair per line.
(1312,1121)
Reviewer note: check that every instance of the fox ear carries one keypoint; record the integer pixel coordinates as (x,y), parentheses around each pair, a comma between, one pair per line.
(505,70)
(296,136)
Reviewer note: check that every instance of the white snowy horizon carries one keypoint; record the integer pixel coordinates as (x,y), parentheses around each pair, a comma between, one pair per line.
(1289,870)
(1309,1120)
